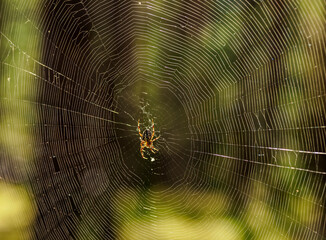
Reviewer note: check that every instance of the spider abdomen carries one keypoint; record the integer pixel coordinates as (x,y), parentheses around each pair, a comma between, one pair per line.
(147,135)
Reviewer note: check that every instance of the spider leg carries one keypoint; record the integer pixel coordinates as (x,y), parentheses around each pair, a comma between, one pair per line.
(156,138)
(153,148)
(153,130)
(142,150)
(139,130)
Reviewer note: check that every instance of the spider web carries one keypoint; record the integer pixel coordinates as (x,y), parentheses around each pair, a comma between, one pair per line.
(237,93)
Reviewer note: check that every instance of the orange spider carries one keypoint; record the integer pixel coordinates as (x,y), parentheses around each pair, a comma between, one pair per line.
(146,140)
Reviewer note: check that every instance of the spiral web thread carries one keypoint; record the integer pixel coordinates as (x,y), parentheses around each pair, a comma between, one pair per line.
(237,93)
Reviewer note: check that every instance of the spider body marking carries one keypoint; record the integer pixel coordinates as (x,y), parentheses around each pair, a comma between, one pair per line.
(147,136)
(147,139)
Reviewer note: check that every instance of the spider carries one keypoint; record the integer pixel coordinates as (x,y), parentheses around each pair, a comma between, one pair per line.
(147,139)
